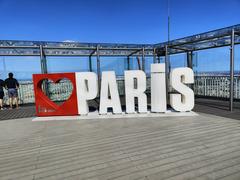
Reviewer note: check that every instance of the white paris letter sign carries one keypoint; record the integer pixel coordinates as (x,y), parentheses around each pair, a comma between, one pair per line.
(85,84)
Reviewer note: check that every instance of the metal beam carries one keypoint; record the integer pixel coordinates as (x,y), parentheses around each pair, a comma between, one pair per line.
(212,39)
(27,48)
(51,44)
(204,45)
(74,48)
(134,52)
(180,48)
(237,33)
(207,40)
(93,52)
(231,88)
(69,55)
(201,37)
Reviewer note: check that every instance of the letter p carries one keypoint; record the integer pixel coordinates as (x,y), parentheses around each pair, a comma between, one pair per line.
(87,89)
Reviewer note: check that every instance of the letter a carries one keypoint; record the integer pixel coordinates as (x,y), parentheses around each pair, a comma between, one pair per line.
(109,89)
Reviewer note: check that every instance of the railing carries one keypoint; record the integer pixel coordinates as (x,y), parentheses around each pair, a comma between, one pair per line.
(216,86)
(57,92)
(25,93)
(211,86)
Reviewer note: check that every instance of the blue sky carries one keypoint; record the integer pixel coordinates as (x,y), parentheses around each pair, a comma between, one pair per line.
(122,21)
(127,21)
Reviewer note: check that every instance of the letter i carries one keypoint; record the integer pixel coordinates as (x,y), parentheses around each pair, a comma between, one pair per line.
(158,88)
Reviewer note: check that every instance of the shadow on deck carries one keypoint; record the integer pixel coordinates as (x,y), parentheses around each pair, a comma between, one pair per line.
(203,105)
(217,107)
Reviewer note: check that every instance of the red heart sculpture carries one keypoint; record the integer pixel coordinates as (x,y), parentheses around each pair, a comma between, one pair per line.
(46,107)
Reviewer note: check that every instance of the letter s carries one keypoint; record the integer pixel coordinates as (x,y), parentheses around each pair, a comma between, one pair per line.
(184,100)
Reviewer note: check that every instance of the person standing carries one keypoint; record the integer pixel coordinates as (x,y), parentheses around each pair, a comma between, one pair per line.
(2,84)
(12,86)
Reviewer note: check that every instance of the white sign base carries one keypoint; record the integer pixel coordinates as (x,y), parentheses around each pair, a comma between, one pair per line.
(95,115)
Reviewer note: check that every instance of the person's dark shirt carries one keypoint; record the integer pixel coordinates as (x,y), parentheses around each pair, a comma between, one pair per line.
(2,84)
(11,83)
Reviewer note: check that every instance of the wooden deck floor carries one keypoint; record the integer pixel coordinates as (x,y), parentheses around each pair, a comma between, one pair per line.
(173,148)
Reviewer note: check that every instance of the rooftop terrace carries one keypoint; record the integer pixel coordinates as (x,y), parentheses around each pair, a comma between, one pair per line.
(198,147)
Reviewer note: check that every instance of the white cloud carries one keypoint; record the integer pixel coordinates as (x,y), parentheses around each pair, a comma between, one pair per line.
(68,41)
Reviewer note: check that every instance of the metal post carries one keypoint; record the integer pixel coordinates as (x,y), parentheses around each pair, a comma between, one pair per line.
(139,63)
(190,64)
(154,55)
(128,63)
(143,59)
(98,69)
(4,66)
(90,63)
(158,59)
(190,59)
(168,58)
(166,69)
(168,5)
(169,64)
(231,71)
(43,61)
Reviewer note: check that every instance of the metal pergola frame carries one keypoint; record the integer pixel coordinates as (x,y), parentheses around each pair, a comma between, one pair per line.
(229,36)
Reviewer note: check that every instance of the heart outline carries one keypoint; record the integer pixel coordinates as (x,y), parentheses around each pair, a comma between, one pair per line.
(45,106)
